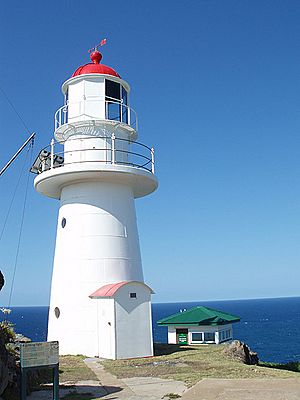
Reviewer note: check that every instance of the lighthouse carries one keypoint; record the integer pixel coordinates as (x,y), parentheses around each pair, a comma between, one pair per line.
(96,167)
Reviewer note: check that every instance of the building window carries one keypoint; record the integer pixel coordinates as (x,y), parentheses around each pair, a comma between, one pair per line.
(197,336)
(63,222)
(132,295)
(228,333)
(225,335)
(209,336)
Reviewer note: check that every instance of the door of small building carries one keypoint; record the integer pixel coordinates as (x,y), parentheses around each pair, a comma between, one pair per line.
(182,336)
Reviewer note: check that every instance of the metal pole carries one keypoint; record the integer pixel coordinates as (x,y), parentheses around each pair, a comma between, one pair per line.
(152,160)
(23,384)
(113,148)
(17,153)
(52,154)
(56,382)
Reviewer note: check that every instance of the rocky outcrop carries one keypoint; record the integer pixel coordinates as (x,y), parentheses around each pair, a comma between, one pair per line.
(239,351)
(10,367)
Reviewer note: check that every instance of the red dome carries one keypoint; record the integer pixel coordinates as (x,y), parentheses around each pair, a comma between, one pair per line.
(95,68)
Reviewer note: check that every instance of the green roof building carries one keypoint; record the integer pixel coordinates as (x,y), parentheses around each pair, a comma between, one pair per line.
(199,325)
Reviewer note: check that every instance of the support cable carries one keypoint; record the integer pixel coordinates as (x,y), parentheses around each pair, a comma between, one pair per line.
(13,196)
(21,230)
(14,108)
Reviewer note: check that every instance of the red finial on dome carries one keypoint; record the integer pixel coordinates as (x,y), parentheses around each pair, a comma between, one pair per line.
(96,57)
(95,67)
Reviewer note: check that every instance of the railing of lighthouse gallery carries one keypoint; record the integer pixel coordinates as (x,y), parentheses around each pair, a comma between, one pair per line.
(99,149)
(114,110)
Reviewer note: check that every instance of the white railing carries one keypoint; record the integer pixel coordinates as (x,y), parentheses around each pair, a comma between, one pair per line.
(124,114)
(112,151)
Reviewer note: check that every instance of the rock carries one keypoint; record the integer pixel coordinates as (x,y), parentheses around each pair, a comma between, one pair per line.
(241,352)
(21,338)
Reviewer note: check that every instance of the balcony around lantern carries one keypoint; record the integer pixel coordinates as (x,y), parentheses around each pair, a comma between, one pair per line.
(84,115)
(100,150)
(99,159)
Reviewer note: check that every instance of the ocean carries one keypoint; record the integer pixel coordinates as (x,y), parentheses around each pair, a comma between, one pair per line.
(271,327)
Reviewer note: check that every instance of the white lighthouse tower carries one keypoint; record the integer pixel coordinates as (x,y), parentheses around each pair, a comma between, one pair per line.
(100,305)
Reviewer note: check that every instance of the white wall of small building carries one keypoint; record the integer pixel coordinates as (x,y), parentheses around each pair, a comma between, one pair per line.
(133,322)
(172,335)
(172,338)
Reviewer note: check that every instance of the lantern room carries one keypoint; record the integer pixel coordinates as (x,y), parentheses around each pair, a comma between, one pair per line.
(96,92)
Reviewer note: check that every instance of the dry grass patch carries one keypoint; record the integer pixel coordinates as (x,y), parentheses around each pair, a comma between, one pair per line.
(72,369)
(190,364)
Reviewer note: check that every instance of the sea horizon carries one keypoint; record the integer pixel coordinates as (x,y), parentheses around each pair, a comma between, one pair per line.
(181,301)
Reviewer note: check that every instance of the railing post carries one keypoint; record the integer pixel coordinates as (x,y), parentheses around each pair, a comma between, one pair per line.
(52,154)
(113,148)
(65,110)
(129,115)
(152,160)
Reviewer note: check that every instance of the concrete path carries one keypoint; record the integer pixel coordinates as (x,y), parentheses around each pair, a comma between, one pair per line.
(134,388)
(244,389)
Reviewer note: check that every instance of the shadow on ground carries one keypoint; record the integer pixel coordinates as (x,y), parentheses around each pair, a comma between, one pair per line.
(161,349)
(76,392)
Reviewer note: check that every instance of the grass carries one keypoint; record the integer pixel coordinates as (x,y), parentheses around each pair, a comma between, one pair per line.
(190,364)
(72,369)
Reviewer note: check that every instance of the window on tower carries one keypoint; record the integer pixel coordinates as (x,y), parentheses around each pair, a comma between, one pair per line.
(113,100)
(116,101)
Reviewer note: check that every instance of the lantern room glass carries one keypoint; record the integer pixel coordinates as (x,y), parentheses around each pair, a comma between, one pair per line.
(116,101)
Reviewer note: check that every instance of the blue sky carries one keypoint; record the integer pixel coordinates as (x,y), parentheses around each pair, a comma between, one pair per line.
(216,85)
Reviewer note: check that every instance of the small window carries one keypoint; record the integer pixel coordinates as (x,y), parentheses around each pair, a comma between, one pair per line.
(228,334)
(112,90)
(57,312)
(197,337)
(209,336)
(132,295)
(63,222)
(112,100)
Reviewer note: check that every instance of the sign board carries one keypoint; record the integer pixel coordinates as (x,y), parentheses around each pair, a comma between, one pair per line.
(38,354)
(182,338)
